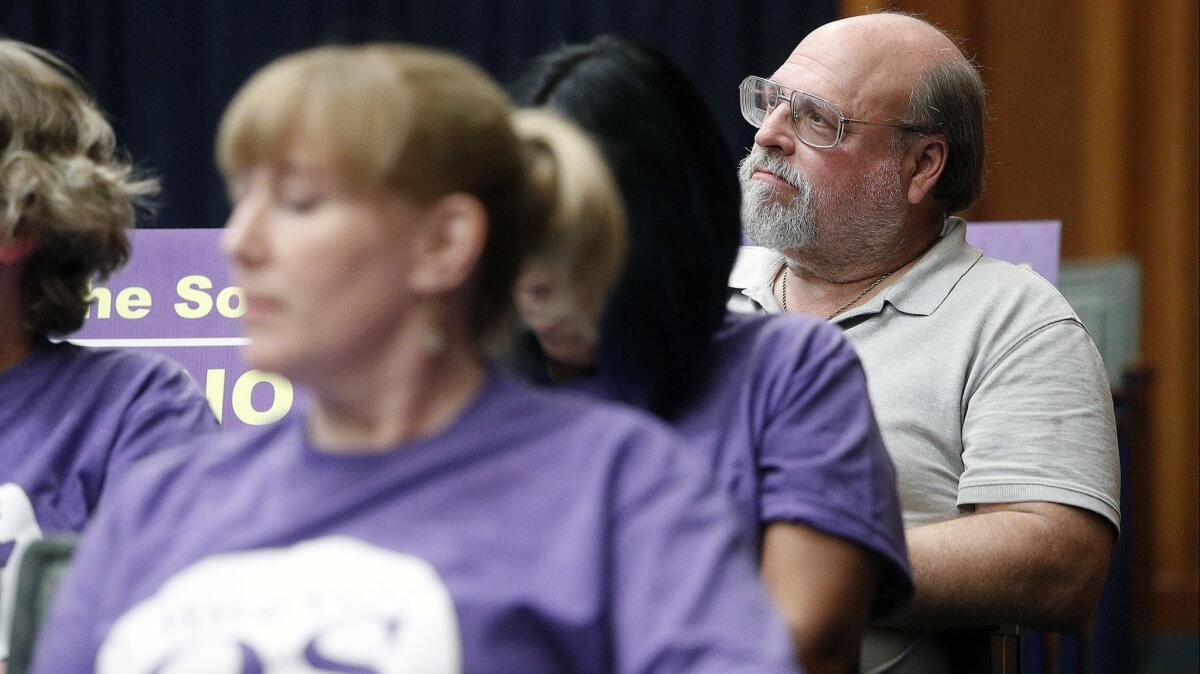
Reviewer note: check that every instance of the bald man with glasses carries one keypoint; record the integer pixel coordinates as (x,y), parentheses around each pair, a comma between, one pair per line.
(989,392)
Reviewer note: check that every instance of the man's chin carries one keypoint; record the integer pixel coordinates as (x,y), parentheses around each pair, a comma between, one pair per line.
(783,244)
(772,232)
(756,238)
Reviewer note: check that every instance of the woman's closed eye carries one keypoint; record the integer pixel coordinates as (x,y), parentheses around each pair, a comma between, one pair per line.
(299,196)
(301,204)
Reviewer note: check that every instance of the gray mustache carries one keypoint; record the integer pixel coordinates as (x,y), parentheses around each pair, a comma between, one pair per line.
(772,163)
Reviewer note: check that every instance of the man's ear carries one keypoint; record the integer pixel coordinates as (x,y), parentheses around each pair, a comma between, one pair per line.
(927,158)
(452,238)
(19,246)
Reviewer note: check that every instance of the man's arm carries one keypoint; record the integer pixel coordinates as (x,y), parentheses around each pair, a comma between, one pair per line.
(823,586)
(1034,564)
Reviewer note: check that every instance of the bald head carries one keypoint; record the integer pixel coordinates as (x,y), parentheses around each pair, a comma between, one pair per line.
(894,67)
(872,63)
(890,35)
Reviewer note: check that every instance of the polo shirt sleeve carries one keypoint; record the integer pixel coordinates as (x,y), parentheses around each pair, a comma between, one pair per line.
(1039,426)
(822,460)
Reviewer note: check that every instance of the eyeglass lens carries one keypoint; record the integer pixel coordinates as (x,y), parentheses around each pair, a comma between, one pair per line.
(814,120)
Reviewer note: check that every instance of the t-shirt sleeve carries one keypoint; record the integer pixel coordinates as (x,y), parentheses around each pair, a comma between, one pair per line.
(106,568)
(687,597)
(822,460)
(1039,426)
(168,411)
(69,638)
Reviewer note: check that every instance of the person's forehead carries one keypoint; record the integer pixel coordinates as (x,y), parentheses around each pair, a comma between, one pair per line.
(832,79)
(288,169)
(820,74)
(865,65)
(824,75)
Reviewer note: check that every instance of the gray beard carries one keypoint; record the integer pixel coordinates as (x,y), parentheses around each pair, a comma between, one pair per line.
(768,220)
(838,232)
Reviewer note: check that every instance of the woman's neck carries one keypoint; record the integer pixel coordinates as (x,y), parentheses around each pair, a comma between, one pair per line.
(14,350)
(15,341)
(561,373)
(409,395)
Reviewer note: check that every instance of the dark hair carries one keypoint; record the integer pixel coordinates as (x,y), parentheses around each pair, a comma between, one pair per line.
(682,204)
(950,99)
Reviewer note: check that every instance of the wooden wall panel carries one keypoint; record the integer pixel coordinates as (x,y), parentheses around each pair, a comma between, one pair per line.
(1106,122)
(1164,227)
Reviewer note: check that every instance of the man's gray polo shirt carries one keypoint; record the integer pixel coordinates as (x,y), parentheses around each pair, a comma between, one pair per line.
(986,386)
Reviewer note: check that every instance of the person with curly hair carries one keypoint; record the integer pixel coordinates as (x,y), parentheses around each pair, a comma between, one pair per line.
(72,419)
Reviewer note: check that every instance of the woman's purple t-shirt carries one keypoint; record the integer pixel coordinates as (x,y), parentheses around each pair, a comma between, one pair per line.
(72,423)
(785,423)
(539,532)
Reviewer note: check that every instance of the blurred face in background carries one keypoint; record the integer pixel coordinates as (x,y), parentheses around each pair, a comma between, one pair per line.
(566,327)
(322,267)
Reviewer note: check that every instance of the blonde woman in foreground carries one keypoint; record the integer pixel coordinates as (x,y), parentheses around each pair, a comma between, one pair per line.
(424,513)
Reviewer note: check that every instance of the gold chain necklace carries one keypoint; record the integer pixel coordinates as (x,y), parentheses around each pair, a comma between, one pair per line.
(845,306)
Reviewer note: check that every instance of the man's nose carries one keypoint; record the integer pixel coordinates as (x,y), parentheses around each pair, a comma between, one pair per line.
(776,132)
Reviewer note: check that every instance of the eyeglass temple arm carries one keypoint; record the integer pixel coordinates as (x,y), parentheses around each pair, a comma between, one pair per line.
(894,125)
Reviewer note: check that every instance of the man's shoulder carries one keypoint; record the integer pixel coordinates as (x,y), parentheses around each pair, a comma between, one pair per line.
(1004,275)
(1009,292)
(991,309)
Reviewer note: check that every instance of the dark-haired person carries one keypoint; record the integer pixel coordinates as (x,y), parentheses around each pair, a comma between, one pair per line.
(425,512)
(72,419)
(778,408)
(990,394)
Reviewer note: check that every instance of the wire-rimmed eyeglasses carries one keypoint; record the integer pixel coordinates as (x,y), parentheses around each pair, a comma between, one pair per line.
(817,122)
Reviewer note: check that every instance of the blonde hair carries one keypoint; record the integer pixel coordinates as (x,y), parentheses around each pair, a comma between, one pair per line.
(61,181)
(586,234)
(425,124)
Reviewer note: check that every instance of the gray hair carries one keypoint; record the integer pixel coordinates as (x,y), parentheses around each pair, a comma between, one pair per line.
(950,100)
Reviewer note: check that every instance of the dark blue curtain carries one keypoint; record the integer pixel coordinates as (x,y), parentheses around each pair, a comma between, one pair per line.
(165,70)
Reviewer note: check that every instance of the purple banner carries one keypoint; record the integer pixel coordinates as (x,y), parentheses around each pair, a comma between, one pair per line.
(1030,242)
(174,297)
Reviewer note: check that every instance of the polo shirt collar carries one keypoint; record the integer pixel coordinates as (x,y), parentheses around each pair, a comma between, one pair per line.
(928,283)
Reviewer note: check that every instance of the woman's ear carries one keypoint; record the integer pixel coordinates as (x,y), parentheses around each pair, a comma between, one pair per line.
(928,159)
(19,246)
(452,237)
